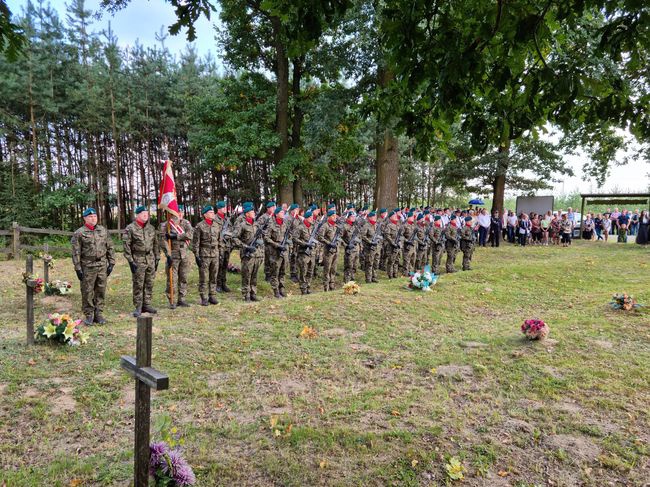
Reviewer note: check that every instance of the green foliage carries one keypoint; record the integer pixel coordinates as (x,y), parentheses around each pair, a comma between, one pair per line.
(12,38)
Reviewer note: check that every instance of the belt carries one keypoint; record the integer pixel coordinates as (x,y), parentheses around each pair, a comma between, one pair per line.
(140,253)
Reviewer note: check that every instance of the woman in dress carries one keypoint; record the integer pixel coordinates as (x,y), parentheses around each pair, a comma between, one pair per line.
(536,230)
(643,232)
(588,227)
(607,225)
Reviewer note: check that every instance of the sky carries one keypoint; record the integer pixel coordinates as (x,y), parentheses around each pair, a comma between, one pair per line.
(142,20)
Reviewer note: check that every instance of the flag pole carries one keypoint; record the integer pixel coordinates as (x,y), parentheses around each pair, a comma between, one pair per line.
(170,270)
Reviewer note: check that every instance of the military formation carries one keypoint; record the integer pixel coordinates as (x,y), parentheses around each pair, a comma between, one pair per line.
(280,239)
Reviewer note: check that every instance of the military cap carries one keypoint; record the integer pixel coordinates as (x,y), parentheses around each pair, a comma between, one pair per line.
(221,204)
(294,206)
(350,213)
(395,210)
(437,217)
(371,214)
(89,211)
(410,214)
(278,209)
(248,206)
(350,206)
(382,210)
(420,216)
(331,212)
(330,206)
(206,208)
(426,212)
(468,218)
(365,208)
(139,209)
(391,214)
(308,213)
(269,204)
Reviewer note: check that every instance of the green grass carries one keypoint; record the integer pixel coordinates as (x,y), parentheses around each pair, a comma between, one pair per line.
(395,384)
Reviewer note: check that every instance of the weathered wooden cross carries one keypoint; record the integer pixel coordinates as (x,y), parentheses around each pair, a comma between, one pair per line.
(146,378)
(29,301)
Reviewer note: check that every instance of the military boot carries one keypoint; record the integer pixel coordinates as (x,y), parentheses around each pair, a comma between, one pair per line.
(213,300)
(89,320)
(255,298)
(183,303)
(147,308)
(99,318)
(225,288)
(276,293)
(137,312)
(204,302)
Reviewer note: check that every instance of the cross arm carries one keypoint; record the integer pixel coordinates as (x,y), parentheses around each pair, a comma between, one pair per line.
(153,378)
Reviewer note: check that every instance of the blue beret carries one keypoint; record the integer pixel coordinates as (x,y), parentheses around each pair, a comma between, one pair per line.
(351,213)
(330,206)
(437,217)
(269,204)
(278,209)
(89,211)
(331,212)
(221,204)
(308,213)
(139,209)
(371,214)
(294,206)
(410,214)
(248,206)
(420,216)
(206,208)
(468,218)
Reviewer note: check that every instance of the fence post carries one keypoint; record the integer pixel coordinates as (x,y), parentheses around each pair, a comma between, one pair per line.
(16,230)
(46,263)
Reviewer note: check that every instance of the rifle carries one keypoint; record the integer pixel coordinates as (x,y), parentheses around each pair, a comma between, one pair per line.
(353,239)
(285,239)
(224,229)
(252,245)
(312,237)
(378,234)
(425,242)
(335,241)
(409,242)
(398,237)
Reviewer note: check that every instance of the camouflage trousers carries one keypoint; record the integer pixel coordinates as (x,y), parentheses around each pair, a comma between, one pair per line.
(277,266)
(224,258)
(408,259)
(293,261)
(267,262)
(180,270)
(436,257)
(305,264)
(467,249)
(249,269)
(392,262)
(142,280)
(208,272)
(451,257)
(350,265)
(93,289)
(329,269)
(421,257)
(371,263)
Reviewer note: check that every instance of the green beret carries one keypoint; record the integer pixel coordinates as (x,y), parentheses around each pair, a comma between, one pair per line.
(221,204)
(350,206)
(331,212)
(270,204)
(410,214)
(308,213)
(139,209)
(396,210)
(206,208)
(420,216)
(248,206)
(382,210)
(371,214)
(426,212)
(294,206)
(350,213)
(391,214)
(468,218)
(89,211)
(278,209)
(330,206)
(365,208)
(437,217)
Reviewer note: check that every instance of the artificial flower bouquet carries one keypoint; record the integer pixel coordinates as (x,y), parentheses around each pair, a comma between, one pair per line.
(168,467)
(61,329)
(57,288)
(422,280)
(535,329)
(624,301)
(351,288)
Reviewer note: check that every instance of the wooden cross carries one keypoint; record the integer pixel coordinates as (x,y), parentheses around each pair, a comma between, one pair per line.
(46,263)
(146,378)
(29,301)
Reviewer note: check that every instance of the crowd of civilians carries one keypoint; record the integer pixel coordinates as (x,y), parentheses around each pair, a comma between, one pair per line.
(557,228)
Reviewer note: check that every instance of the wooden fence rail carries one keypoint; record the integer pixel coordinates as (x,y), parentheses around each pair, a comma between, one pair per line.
(15,247)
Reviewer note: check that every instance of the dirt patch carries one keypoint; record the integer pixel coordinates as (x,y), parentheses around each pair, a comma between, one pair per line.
(278,411)
(472,345)
(215,380)
(553,372)
(334,332)
(132,332)
(605,344)
(3,388)
(529,404)
(60,304)
(64,402)
(360,347)
(292,387)
(569,407)
(456,372)
(128,396)
(31,393)
(514,424)
(577,447)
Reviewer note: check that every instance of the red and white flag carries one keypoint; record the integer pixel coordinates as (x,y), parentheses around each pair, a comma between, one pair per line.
(167,200)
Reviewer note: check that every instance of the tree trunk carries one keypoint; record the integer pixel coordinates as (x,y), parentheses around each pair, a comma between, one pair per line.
(499,183)
(118,171)
(386,185)
(297,123)
(282,108)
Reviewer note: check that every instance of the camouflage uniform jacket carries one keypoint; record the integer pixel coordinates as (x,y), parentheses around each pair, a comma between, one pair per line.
(92,248)
(140,242)
(205,242)
(243,234)
(451,234)
(274,236)
(301,235)
(181,244)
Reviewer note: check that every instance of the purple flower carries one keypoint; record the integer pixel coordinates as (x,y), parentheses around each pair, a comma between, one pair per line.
(181,472)
(157,459)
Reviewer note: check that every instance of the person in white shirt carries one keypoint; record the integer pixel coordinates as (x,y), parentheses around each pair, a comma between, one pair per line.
(511,225)
(484,222)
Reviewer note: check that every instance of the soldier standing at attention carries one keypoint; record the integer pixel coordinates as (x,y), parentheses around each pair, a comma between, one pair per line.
(143,254)
(293,221)
(437,239)
(305,262)
(205,245)
(410,244)
(351,237)
(178,258)
(249,240)
(328,236)
(383,251)
(393,244)
(276,244)
(315,251)
(422,241)
(467,242)
(371,247)
(225,246)
(451,242)
(264,221)
(93,258)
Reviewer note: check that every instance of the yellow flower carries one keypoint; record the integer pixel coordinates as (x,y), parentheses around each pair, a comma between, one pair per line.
(49,330)
(69,331)
(65,317)
(83,337)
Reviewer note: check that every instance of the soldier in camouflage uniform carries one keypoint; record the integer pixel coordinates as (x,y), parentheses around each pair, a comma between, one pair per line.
(351,237)
(225,246)
(423,242)
(329,237)
(248,236)
(467,243)
(316,251)
(305,262)
(437,240)
(451,242)
(293,222)
(141,249)
(411,241)
(372,240)
(178,258)
(264,221)
(93,258)
(383,250)
(393,244)
(278,251)
(205,245)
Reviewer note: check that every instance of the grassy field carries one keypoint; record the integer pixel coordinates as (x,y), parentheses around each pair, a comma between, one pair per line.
(395,386)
